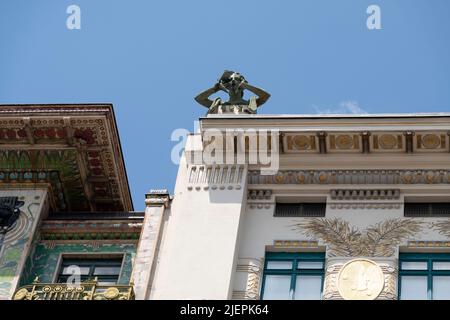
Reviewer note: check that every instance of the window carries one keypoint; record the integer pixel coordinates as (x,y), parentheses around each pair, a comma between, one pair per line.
(107,270)
(300,210)
(438,209)
(424,276)
(293,276)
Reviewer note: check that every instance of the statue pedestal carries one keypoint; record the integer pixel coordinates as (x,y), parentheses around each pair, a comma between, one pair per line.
(234,109)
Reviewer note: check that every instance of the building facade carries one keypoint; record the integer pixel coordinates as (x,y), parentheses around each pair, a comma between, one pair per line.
(66,214)
(358,208)
(342,207)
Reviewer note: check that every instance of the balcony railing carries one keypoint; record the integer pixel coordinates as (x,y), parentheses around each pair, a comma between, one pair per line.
(88,290)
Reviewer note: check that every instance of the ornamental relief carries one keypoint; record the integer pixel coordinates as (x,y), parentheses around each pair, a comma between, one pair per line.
(342,239)
(400,176)
(344,142)
(366,142)
(378,281)
(386,142)
(301,142)
(430,142)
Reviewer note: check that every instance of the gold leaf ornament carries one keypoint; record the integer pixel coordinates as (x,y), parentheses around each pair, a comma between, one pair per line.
(21,294)
(111,293)
(379,240)
(431,141)
(301,142)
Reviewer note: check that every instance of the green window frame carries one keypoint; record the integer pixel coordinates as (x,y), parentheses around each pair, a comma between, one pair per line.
(428,270)
(295,271)
(107,270)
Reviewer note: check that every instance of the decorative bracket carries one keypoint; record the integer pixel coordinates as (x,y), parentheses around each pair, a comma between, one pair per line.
(157,197)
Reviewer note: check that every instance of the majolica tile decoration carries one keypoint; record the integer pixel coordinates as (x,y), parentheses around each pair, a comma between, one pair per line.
(73,148)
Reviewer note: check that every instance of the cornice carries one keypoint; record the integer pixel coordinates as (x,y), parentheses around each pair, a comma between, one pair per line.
(86,134)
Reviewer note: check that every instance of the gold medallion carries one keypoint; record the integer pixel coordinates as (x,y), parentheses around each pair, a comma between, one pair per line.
(301,142)
(431,141)
(388,141)
(344,141)
(111,293)
(360,279)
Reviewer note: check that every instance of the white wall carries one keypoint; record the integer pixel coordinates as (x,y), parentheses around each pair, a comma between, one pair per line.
(197,255)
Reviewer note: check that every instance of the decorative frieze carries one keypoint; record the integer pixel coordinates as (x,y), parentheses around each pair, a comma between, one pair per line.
(369,194)
(439,176)
(426,142)
(260,199)
(59,237)
(295,244)
(365,142)
(365,205)
(224,177)
(303,142)
(345,142)
(387,142)
(365,199)
(428,244)
(259,195)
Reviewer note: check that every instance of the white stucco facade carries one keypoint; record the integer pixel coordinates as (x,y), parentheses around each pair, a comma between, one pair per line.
(215,231)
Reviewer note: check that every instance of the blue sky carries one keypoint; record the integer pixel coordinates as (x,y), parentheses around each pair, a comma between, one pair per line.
(150,58)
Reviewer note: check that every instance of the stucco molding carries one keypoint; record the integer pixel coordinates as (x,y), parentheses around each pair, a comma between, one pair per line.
(216,178)
(346,177)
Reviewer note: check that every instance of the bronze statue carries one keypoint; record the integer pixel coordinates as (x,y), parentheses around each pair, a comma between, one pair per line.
(234,84)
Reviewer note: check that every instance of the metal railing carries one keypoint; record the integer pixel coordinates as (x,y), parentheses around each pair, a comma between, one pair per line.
(434,209)
(88,290)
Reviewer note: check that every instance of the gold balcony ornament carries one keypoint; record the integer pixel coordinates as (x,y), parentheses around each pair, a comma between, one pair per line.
(111,293)
(88,290)
(21,294)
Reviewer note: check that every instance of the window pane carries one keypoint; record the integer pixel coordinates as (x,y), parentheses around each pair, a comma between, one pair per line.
(441,288)
(308,288)
(441,265)
(106,271)
(414,288)
(106,283)
(73,269)
(279,265)
(277,287)
(310,265)
(414,265)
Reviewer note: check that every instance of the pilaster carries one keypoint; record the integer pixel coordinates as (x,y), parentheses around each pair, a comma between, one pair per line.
(156,202)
